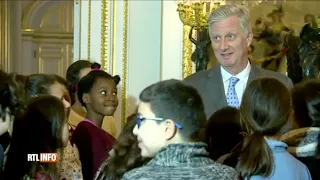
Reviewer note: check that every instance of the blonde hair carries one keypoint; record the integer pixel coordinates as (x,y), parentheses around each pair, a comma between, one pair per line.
(229,10)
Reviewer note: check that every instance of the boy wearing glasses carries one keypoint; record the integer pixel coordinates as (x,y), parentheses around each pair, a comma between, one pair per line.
(168,127)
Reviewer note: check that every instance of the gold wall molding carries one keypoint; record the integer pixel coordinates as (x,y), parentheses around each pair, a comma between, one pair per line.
(41,62)
(78,2)
(36,31)
(104,33)
(46,34)
(124,64)
(5,40)
(89,28)
(26,12)
(47,41)
(59,13)
(114,30)
(186,53)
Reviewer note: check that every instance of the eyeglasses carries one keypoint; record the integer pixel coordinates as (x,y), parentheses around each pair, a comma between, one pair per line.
(141,118)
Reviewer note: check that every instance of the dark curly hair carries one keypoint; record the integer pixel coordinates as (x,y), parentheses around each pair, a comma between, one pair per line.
(126,156)
(306,103)
(12,94)
(86,83)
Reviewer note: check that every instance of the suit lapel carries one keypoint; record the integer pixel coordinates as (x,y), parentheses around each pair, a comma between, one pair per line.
(216,88)
(254,74)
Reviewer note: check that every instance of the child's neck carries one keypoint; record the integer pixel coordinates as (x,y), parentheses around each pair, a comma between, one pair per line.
(97,119)
(77,107)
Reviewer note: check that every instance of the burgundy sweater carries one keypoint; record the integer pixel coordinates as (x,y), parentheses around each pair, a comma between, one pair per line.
(93,144)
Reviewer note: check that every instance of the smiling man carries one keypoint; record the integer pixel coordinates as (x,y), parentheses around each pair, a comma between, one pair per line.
(171,117)
(231,35)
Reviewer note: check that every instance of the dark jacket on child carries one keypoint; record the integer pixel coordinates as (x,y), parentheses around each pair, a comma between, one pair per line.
(182,161)
(302,143)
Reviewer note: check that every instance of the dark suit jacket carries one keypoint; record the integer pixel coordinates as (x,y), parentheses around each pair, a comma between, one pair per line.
(210,86)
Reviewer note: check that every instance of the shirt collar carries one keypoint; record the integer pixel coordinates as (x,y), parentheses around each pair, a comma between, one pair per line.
(242,76)
(277,146)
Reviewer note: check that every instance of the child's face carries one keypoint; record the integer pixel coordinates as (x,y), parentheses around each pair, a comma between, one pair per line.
(150,134)
(61,92)
(103,97)
(65,134)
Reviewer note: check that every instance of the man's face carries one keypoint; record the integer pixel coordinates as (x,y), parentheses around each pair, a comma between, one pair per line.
(150,134)
(229,44)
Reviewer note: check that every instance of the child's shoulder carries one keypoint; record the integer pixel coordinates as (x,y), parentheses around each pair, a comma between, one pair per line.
(84,124)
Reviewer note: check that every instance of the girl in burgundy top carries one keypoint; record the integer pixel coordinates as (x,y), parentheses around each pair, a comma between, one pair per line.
(97,92)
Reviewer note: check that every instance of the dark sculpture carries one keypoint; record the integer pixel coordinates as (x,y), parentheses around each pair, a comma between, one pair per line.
(309,51)
(200,56)
(303,54)
(294,70)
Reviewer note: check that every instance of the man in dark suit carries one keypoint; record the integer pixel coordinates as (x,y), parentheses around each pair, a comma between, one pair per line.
(231,35)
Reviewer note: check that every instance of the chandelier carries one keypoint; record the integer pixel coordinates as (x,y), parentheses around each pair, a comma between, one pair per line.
(194,13)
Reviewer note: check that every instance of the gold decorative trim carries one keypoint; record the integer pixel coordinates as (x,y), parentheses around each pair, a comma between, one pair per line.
(114,28)
(80,19)
(46,34)
(89,28)
(26,12)
(187,52)
(5,44)
(35,36)
(56,41)
(104,34)
(27,30)
(124,64)
(161,43)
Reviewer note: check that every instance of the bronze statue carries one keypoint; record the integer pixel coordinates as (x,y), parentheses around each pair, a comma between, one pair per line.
(200,56)
(303,54)
(294,70)
(267,33)
(309,51)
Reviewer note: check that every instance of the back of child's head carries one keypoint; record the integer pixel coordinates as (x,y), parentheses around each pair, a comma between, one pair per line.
(5,94)
(40,84)
(181,103)
(264,111)
(223,131)
(86,83)
(39,130)
(73,72)
(306,103)
(11,94)
(37,84)
(127,154)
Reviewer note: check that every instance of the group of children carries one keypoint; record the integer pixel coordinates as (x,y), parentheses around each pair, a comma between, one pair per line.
(41,114)
(273,135)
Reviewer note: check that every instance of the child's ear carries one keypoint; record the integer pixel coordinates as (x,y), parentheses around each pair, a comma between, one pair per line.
(170,129)
(86,98)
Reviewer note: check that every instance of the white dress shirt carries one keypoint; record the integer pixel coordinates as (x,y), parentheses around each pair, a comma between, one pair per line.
(241,84)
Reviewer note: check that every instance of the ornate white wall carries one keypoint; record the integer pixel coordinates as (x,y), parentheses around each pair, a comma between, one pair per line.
(142,43)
